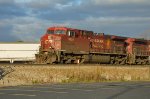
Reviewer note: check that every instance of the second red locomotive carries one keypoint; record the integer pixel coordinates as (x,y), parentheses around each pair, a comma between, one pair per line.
(68,45)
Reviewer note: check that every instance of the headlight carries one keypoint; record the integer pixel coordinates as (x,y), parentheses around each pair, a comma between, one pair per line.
(50,37)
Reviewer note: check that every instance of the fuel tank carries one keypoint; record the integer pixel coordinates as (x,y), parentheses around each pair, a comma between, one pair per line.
(105,59)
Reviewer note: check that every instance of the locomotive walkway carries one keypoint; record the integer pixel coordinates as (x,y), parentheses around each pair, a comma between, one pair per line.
(124,90)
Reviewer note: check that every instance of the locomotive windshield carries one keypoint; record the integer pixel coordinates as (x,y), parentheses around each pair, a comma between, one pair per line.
(59,31)
(50,31)
(56,32)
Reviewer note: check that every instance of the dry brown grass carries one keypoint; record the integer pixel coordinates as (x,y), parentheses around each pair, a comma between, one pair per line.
(49,74)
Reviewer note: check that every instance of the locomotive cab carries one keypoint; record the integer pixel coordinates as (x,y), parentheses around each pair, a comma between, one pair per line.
(63,31)
(56,31)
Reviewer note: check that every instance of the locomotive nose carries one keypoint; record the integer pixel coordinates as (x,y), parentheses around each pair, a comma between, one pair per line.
(54,42)
(50,38)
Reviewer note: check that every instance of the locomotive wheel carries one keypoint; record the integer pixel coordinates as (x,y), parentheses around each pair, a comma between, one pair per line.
(138,61)
(112,61)
(82,60)
(123,62)
(67,61)
(119,60)
(116,60)
(144,62)
(77,61)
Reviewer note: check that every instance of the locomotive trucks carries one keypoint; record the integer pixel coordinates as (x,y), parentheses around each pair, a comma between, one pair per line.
(69,45)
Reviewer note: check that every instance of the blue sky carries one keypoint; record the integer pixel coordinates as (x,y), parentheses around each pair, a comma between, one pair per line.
(27,20)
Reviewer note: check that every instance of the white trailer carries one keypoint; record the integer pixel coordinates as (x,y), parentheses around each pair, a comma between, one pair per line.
(12,52)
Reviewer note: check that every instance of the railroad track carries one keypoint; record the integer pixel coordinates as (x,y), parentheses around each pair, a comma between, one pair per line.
(107,65)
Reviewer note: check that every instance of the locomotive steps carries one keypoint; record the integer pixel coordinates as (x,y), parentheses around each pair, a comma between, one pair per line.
(29,75)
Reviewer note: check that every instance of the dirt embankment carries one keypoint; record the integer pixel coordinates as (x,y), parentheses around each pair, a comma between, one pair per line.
(29,75)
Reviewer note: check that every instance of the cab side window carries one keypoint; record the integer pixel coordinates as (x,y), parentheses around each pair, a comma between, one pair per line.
(71,33)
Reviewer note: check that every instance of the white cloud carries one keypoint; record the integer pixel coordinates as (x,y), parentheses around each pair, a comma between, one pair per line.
(109,20)
(23,1)
(62,6)
(31,28)
(47,3)
(112,2)
(6,1)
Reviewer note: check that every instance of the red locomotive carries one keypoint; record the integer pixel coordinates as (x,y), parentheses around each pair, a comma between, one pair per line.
(68,45)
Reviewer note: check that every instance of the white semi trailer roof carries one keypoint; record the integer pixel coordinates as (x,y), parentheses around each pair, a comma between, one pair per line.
(18,51)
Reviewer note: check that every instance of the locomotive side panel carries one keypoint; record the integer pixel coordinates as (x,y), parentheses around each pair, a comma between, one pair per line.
(75,45)
(119,47)
(140,48)
(101,44)
(105,44)
(97,44)
(141,51)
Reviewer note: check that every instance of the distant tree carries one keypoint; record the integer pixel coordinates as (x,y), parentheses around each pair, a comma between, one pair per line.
(19,41)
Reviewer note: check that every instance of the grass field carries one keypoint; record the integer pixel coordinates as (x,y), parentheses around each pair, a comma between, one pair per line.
(29,75)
